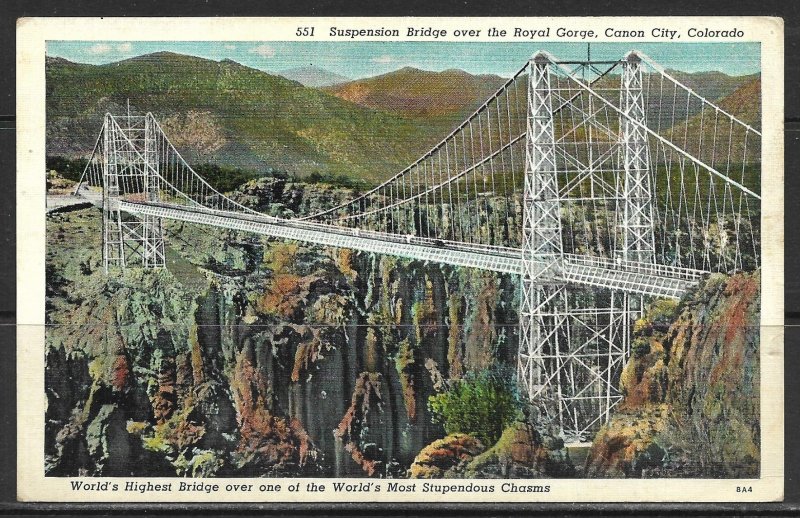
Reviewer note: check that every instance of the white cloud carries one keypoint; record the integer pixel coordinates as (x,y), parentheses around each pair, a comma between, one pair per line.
(100,48)
(124,47)
(265,51)
(383,59)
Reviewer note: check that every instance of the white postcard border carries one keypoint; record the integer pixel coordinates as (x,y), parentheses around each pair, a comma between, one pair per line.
(32,33)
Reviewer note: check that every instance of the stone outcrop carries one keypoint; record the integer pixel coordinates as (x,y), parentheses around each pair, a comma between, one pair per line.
(521,452)
(691,388)
(445,458)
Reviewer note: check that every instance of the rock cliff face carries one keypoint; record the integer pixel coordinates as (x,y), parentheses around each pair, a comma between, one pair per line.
(691,405)
(249,356)
(254,357)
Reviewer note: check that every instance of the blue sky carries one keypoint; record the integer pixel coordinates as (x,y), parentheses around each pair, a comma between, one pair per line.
(363,59)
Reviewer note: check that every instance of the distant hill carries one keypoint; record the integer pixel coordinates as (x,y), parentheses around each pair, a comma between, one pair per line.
(669,104)
(228,113)
(712,85)
(740,102)
(411,92)
(453,94)
(313,76)
(236,116)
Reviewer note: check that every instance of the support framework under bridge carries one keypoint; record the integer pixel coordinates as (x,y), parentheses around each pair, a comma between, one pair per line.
(602,184)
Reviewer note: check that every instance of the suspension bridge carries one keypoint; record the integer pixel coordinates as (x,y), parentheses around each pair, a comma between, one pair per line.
(602,184)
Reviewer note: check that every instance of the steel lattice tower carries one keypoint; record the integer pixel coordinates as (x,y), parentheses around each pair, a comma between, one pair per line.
(570,353)
(130,167)
(543,298)
(636,223)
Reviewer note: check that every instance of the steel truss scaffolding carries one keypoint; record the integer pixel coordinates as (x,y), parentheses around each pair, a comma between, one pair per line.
(636,218)
(573,341)
(130,167)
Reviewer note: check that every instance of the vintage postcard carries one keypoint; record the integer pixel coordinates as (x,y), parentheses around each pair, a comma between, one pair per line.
(400,259)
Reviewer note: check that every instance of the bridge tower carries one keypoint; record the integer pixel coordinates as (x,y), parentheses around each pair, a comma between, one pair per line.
(130,170)
(543,302)
(572,350)
(635,220)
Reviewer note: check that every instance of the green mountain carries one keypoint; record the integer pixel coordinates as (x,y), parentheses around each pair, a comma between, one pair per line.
(715,140)
(411,92)
(230,114)
(743,102)
(236,116)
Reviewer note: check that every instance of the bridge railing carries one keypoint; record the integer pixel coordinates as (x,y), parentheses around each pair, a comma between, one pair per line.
(660,270)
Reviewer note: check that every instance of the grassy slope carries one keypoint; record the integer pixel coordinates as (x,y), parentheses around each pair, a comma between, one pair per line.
(261,120)
(740,102)
(230,114)
(712,85)
(712,144)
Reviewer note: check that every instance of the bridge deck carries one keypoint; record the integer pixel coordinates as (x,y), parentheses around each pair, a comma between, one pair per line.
(640,278)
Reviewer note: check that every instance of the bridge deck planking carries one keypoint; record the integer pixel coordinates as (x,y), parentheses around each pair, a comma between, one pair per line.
(654,280)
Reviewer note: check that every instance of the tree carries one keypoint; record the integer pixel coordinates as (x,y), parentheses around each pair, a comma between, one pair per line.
(482,404)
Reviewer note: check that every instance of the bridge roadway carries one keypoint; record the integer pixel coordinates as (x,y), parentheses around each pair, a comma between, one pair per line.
(632,277)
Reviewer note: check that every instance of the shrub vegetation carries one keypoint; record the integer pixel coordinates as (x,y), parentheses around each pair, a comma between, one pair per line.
(482,404)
